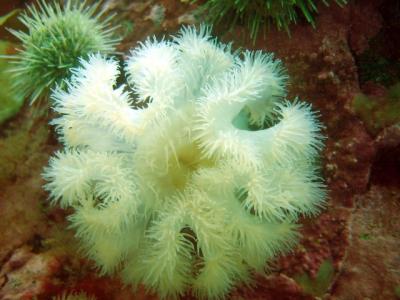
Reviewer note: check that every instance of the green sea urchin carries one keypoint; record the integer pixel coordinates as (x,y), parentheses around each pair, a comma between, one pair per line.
(57,36)
(258,13)
(80,296)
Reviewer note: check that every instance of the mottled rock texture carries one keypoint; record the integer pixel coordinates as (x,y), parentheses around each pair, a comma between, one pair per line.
(358,233)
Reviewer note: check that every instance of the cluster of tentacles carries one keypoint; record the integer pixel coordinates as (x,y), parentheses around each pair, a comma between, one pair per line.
(196,179)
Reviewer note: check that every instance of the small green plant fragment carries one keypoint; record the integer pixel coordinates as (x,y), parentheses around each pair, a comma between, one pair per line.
(56,37)
(257,14)
(127,27)
(365,236)
(397,291)
(317,286)
(378,113)
(10,103)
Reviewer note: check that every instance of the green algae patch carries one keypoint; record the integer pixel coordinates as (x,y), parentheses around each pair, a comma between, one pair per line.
(319,285)
(378,112)
(397,291)
(10,103)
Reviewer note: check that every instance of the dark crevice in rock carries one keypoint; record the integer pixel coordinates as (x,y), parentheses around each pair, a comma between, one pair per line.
(386,167)
(380,62)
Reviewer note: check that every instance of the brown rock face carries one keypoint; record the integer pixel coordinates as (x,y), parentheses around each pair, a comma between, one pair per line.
(357,234)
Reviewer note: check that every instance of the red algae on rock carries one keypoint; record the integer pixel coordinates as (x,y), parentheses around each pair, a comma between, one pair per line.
(372,266)
(26,274)
(358,231)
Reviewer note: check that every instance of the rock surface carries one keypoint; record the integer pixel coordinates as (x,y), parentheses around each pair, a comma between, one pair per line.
(358,234)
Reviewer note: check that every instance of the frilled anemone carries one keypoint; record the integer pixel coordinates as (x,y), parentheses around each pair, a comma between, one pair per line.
(198,185)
